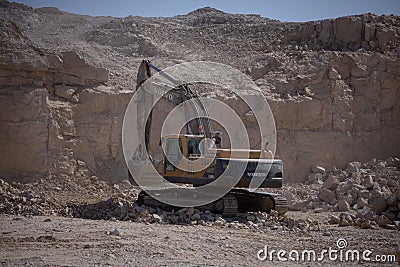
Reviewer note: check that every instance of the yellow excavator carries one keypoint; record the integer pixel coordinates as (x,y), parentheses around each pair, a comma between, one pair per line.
(190,145)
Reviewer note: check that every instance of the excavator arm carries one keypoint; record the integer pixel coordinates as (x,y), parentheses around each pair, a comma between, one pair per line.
(181,93)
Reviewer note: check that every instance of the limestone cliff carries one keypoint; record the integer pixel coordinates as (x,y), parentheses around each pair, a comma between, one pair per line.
(65,80)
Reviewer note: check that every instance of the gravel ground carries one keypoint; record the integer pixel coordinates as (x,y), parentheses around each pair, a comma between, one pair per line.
(60,241)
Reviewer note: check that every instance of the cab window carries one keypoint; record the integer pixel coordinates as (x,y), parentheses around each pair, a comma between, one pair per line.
(194,147)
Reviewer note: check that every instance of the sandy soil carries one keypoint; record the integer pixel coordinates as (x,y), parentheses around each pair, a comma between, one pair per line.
(60,241)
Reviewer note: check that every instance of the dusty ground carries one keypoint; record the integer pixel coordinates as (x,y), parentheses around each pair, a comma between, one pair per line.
(138,239)
(60,241)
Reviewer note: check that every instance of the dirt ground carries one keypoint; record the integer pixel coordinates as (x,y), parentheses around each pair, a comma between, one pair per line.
(60,241)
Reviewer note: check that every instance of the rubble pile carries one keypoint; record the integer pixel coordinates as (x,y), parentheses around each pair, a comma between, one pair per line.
(25,202)
(366,194)
(55,195)
(124,209)
(83,197)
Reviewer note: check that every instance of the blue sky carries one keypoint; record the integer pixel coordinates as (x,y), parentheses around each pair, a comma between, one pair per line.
(285,10)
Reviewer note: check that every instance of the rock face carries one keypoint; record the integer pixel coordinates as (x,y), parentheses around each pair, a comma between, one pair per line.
(348,29)
(44,130)
(66,79)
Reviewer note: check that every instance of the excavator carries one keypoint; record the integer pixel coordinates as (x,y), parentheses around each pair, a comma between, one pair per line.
(189,143)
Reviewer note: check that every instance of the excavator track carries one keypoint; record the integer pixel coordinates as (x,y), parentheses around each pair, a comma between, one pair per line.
(281,204)
(227,205)
(260,201)
(147,200)
(237,200)
(230,205)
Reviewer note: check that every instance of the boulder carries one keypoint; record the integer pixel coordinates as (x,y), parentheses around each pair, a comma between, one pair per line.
(298,205)
(317,169)
(343,188)
(363,213)
(361,203)
(327,196)
(114,231)
(334,219)
(343,205)
(251,218)
(173,218)
(218,223)
(157,218)
(190,211)
(364,194)
(377,202)
(345,220)
(312,177)
(368,182)
(391,216)
(331,183)
(382,220)
(196,216)
(353,167)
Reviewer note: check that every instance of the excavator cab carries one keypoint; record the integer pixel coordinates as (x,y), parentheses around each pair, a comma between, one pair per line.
(180,146)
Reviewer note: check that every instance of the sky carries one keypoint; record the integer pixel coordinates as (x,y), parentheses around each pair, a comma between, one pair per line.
(284,10)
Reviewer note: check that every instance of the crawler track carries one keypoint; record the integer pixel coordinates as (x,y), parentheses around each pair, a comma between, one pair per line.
(237,200)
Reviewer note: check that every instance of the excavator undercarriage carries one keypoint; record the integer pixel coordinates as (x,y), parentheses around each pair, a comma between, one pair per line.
(237,200)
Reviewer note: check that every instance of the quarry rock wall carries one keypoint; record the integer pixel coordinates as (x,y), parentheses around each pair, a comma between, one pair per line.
(60,114)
